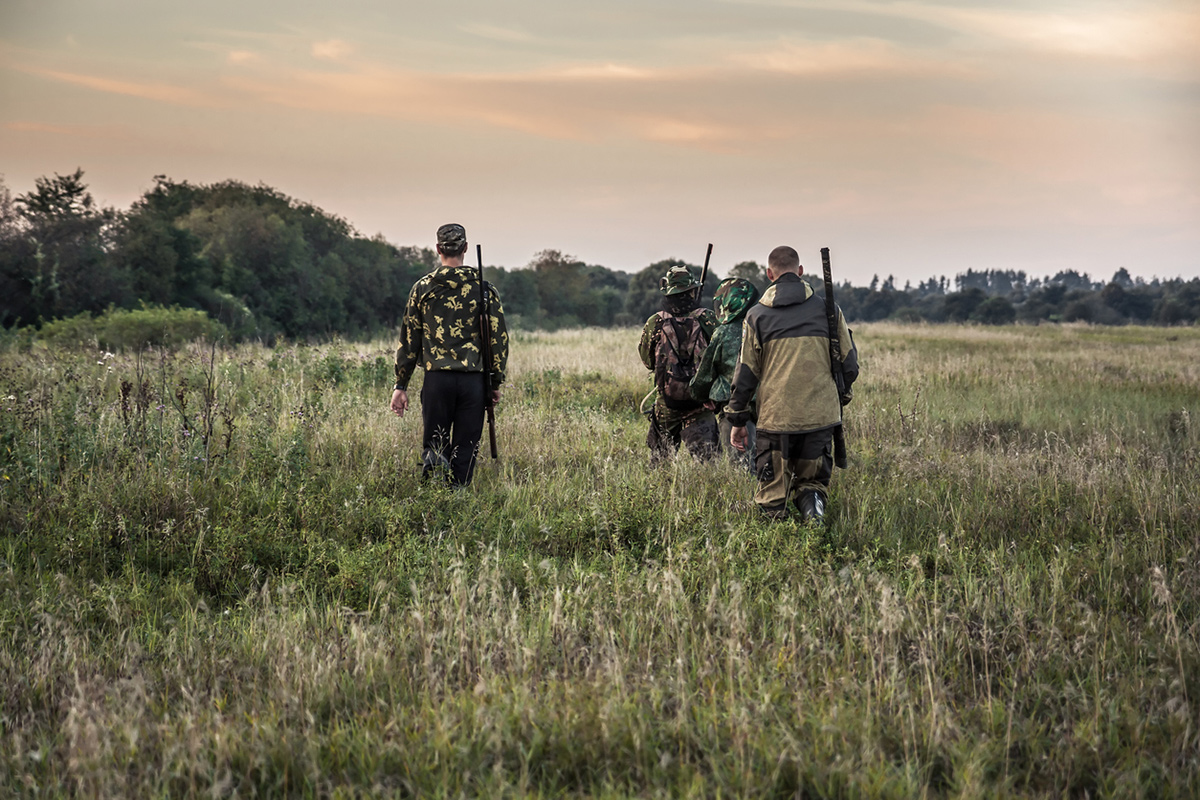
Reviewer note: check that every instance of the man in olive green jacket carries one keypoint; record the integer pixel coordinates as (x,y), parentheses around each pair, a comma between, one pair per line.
(785,359)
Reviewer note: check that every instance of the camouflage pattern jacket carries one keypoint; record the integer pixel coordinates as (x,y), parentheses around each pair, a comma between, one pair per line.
(714,377)
(785,358)
(441,326)
(648,345)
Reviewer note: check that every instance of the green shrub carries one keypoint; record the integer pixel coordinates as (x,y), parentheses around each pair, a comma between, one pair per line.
(119,329)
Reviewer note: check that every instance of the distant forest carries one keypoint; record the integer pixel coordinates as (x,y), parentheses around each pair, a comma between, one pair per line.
(266,266)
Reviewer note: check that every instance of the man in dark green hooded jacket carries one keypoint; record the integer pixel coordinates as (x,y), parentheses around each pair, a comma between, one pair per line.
(713,383)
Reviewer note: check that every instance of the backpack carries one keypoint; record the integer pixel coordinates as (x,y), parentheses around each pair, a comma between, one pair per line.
(681,343)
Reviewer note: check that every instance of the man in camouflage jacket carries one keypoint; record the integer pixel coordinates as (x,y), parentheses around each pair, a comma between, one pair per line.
(713,381)
(441,333)
(785,359)
(691,422)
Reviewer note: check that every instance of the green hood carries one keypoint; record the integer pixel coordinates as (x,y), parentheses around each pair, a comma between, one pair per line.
(733,299)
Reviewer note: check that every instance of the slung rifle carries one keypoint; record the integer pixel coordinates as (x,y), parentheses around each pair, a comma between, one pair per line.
(835,360)
(485,352)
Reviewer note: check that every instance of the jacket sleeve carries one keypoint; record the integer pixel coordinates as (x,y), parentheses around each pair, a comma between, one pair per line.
(849,351)
(499,331)
(411,340)
(647,342)
(745,377)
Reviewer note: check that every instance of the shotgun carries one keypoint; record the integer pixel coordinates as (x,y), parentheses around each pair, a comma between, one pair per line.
(485,352)
(835,360)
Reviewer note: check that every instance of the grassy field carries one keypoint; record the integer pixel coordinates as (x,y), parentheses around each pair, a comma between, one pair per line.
(221,577)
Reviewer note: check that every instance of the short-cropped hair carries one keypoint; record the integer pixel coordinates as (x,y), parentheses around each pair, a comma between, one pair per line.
(783,259)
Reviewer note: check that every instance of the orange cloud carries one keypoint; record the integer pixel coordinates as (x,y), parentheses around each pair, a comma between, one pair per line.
(242,57)
(84,131)
(160,92)
(826,58)
(332,49)
(39,127)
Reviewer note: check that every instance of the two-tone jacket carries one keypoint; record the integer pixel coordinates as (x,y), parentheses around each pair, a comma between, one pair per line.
(785,358)
(441,326)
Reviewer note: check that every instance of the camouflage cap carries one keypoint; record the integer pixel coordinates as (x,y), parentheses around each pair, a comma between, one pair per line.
(733,299)
(452,236)
(679,279)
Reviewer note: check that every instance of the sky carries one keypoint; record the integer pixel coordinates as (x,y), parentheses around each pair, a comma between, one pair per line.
(913,139)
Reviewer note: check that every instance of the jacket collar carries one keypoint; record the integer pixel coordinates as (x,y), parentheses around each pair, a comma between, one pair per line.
(788,290)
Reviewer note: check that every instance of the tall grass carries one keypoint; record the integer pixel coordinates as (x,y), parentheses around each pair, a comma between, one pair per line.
(221,576)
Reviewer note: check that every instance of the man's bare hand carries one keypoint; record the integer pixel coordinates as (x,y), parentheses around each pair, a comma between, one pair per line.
(399,402)
(738,438)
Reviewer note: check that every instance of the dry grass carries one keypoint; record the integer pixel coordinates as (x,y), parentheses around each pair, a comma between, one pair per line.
(253,594)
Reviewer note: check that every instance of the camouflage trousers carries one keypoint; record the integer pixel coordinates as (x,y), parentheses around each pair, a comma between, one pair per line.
(789,464)
(697,429)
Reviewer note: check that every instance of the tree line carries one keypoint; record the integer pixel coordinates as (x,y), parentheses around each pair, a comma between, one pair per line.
(998,297)
(265,266)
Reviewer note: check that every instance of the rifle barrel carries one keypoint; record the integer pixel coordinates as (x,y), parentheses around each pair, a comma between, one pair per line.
(835,357)
(485,353)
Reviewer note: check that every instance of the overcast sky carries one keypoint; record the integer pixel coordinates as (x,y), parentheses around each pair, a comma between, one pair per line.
(912,138)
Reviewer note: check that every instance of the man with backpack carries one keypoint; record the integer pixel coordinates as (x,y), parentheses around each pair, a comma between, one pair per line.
(672,345)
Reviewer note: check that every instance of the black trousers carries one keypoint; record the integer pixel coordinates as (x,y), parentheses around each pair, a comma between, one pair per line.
(452,410)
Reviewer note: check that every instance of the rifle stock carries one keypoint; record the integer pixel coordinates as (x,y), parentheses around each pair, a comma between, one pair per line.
(835,359)
(485,353)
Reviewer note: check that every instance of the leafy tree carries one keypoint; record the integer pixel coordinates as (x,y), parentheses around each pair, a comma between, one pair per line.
(239,249)
(17,257)
(570,292)
(1078,310)
(752,271)
(1070,279)
(960,305)
(519,293)
(1122,279)
(1033,311)
(561,283)
(994,311)
(68,271)
(163,261)
(643,296)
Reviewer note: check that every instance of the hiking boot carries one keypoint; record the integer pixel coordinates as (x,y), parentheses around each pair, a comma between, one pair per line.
(774,514)
(812,507)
